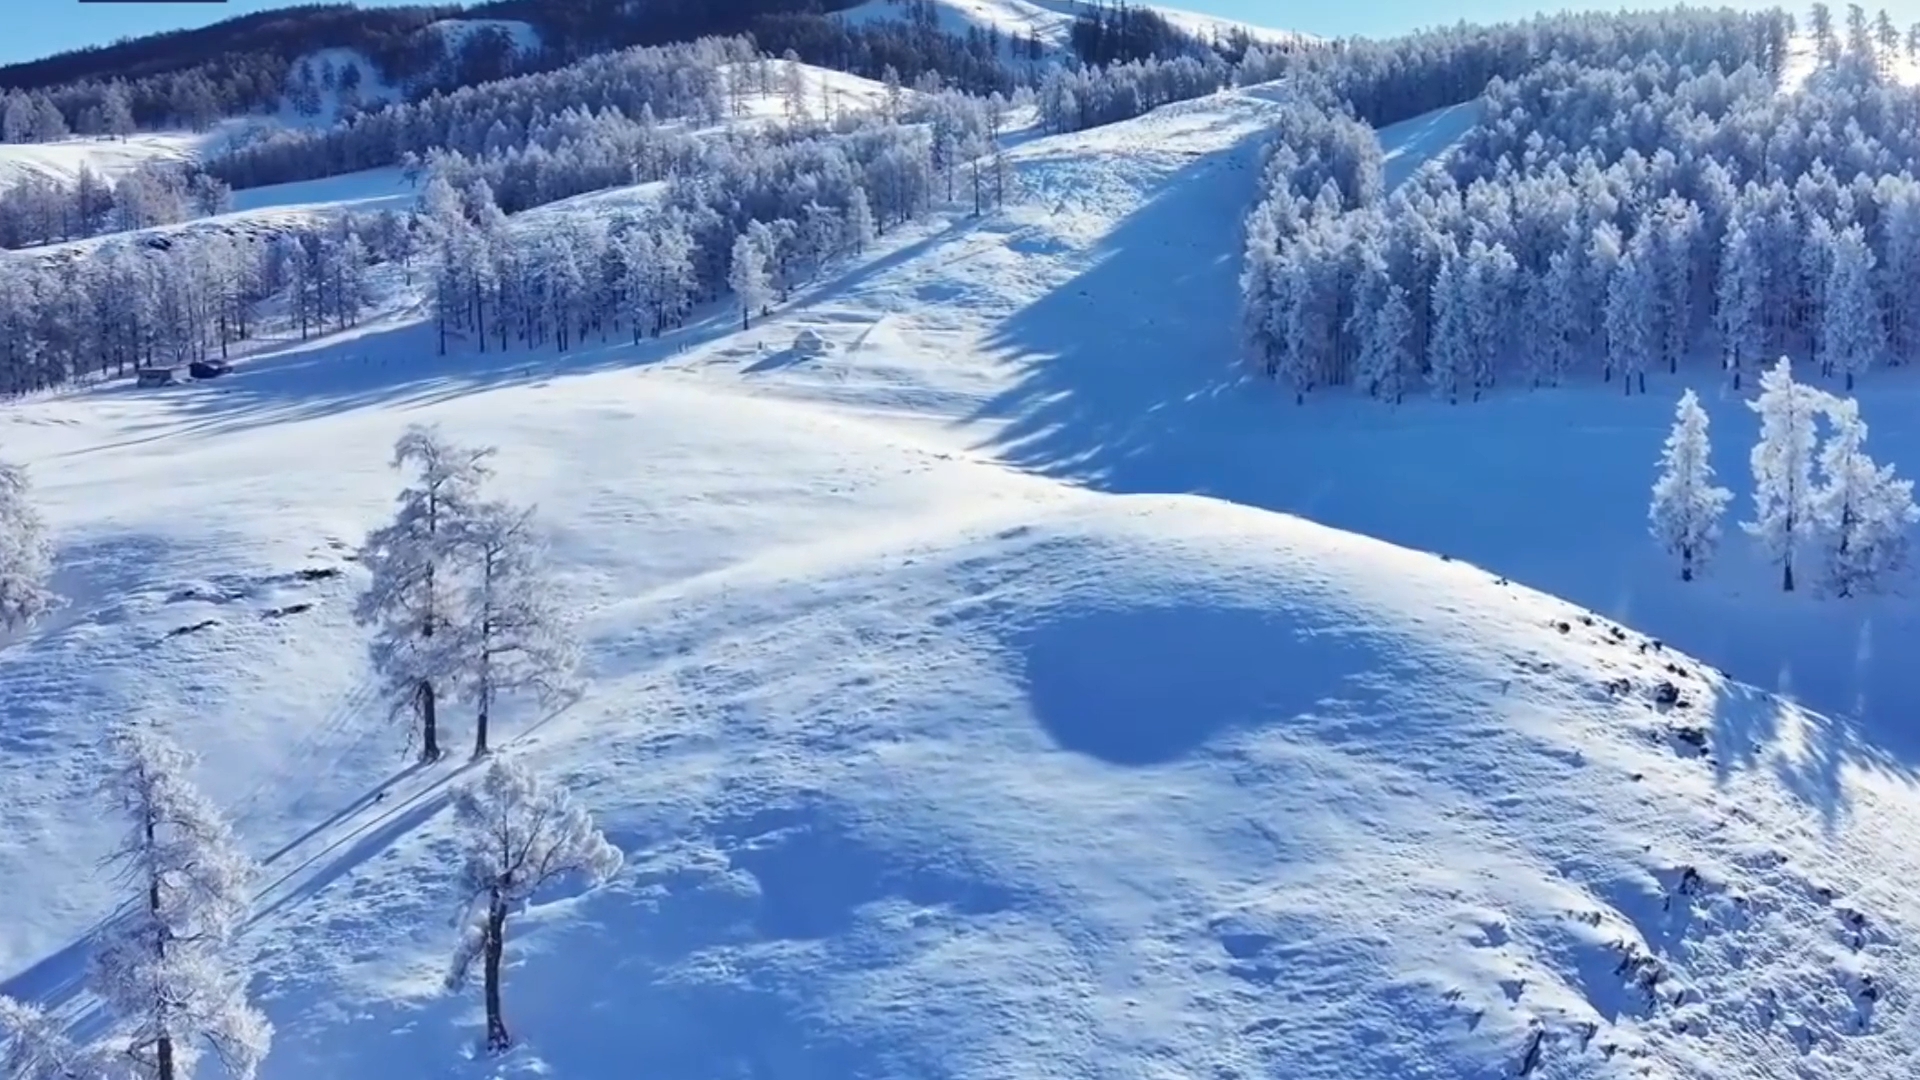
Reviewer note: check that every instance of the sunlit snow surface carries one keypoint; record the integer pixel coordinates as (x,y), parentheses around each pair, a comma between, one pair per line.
(968,703)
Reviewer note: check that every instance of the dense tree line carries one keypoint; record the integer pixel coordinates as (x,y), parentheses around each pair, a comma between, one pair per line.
(800,197)
(170,300)
(191,78)
(38,209)
(544,110)
(1606,221)
(1386,81)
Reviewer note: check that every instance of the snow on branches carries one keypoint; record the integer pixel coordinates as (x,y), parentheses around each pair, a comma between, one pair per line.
(410,599)
(1830,501)
(520,835)
(459,597)
(1782,460)
(167,969)
(1687,505)
(26,559)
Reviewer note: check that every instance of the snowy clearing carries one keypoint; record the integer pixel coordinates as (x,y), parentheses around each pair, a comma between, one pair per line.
(952,720)
(109,158)
(455,32)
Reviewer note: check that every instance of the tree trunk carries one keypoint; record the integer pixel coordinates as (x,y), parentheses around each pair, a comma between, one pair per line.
(163,1047)
(429,725)
(480,727)
(498,1039)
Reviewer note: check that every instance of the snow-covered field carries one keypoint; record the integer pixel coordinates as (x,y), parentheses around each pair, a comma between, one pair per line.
(108,158)
(967,703)
(1050,20)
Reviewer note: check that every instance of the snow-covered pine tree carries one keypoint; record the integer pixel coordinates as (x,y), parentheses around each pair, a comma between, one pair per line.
(1687,505)
(1632,316)
(26,559)
(1742,303)
(414,562)
(1782,459)
(1386,351)
(1852,337)
(1565,318)
(520,835)
(167,969)
(512,637)
(1863,511)
(860,226)
(747,277)
(1450,351)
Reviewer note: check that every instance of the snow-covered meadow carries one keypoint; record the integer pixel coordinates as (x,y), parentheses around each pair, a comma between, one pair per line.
(965,699)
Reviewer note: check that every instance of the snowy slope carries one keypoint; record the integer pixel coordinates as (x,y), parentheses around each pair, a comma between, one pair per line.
(1049,20)
(929,766)
(279,207)
(108,158)
(455,32)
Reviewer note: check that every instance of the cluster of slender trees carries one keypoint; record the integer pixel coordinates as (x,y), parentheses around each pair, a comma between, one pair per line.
(1825,503)
(461,609)
(543,109)
(39,209)
(1599,221)
(759,216)
(187,296)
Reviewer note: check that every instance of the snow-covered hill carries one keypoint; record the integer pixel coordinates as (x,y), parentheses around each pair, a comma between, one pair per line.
(277,208)
(950,720)
(1050,20)
(109,158)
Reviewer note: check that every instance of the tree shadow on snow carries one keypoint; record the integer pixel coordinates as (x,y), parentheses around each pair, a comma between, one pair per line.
(722,966)
(1130,382)
(391,365)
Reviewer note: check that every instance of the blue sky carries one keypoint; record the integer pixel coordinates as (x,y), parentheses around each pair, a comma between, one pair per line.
(35,28)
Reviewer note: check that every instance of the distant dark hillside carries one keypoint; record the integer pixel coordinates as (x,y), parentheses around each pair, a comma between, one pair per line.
(384,35)
(193,77)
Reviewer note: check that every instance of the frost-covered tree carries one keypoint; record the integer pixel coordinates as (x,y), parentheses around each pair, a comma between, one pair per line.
(1687,505)
(1863,511)
(748,278)
(520,835)
(168,968)
(860,226)
(1782,459)
(35,1046)
(1852,337)
(26,559)
(513,637)
(1632,313)
(1742,304)
(1386,357)
(1450,354)
(412,597)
